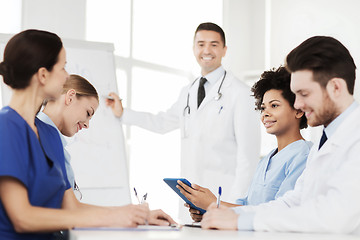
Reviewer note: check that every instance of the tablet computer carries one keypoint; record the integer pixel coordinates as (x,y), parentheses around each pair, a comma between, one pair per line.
(172,182)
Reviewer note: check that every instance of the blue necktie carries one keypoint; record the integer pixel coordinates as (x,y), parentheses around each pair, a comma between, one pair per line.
(322,140)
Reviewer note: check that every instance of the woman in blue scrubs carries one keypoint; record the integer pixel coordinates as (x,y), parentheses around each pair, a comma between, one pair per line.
(36,197)
(277,172)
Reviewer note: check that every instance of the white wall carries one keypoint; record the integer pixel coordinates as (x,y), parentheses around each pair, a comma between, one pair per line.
(281,25)
(289,23)
(64,17)
(295,21)
(244,23)
(244,26)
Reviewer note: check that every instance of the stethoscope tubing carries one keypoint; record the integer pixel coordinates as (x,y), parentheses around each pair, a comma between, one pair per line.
(217,98)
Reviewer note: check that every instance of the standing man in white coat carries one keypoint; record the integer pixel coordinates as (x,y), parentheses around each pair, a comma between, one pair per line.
(220,136)
(326,197)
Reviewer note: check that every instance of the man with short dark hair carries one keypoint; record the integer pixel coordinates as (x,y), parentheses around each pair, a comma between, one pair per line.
(220,136)
(326,197)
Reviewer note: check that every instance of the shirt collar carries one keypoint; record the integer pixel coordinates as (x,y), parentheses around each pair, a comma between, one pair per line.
(331,128)
(45,118)
(215,75)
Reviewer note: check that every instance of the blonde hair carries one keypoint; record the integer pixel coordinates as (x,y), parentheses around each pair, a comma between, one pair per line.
(82,87)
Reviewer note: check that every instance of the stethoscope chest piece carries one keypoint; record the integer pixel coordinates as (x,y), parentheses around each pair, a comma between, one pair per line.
(218,96)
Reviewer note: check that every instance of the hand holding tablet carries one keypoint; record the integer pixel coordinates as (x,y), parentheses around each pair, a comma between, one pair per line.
(172,182)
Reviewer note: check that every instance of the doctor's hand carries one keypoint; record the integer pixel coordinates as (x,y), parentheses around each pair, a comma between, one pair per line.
(199,196)
(115,104)
(159,217)
(222,218)
(194,214)
(127,216)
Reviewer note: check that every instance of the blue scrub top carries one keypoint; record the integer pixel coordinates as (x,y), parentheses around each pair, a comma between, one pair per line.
(38,164)
(69,171)
(277,173)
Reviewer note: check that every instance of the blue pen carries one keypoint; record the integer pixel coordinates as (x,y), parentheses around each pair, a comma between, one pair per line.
(218,199)
(220,109)
(136,195)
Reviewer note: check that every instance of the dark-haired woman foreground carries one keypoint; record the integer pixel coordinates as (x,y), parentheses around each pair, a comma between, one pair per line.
(36,197)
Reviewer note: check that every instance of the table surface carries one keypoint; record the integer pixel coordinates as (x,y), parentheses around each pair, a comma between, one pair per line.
(198,233)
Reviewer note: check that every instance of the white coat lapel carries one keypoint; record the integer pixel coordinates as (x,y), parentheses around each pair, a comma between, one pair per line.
(210,96)
(214,91)
(328,147)
(341,134)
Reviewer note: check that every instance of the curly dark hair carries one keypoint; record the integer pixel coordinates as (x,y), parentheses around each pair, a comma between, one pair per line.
(278,79)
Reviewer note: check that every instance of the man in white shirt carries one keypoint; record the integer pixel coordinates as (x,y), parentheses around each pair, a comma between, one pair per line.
(220,133)
(326,197)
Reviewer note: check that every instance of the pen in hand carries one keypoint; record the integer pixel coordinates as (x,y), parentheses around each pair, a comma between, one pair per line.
(137,197)
(143,200)
(218,199)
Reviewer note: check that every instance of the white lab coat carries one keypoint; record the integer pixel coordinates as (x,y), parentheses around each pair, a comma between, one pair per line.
(220,141)
(326,197)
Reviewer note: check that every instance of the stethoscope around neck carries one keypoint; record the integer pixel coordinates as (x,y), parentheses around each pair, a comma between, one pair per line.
(216,98)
